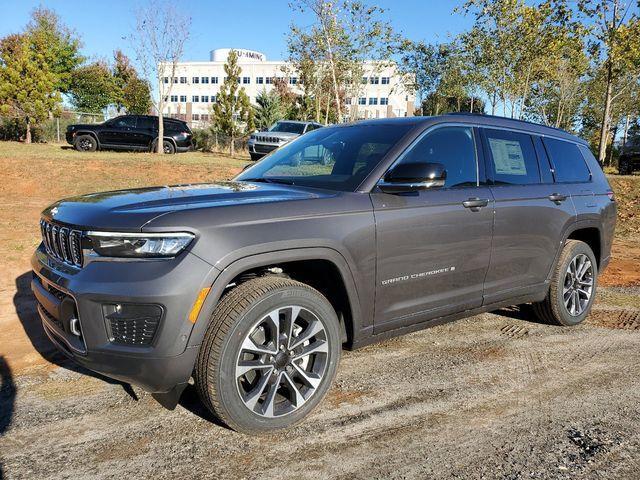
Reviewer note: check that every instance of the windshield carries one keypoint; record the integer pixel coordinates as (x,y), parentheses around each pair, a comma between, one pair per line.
(289,127)
(333,158)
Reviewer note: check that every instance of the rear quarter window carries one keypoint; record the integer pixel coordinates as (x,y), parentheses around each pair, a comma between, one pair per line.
(568,162)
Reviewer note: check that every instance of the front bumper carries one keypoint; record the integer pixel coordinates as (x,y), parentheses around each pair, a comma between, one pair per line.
(63,292)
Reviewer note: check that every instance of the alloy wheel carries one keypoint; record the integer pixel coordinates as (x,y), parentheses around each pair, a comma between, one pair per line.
(282,361)
(578,285)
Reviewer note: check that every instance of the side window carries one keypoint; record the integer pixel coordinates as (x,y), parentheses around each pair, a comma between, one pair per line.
(567,161)
(453,147)
(148,123)
(513,158)
(125,122)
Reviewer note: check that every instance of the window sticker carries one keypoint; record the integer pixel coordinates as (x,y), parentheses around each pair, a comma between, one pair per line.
(507,157)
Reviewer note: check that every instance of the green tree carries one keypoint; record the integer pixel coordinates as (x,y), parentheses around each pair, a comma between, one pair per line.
(93,88)
(133,93)
(58,45)
(232,113)
(616,50)
(27,82)
(268,109)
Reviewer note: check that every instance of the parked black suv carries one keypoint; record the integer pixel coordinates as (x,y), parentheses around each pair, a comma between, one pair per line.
(253,286)
(130,132)
(629,161)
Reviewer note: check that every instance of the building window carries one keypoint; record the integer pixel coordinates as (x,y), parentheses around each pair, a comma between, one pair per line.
(347,101)
(269,80)
(195,98)
(204,79)
(204,98)
(246,80)
(204,117)
(195,80)
(166,99)
(365,80)
(384,101)
(175,79)
(362,101)
(195,117)
(374,80)
(183,79)
(174,98)
(166,79)
(214,80)
(373,101)
(386,80)
(259,80)
(293,80)
(239,80)
(213,99)
(183,98)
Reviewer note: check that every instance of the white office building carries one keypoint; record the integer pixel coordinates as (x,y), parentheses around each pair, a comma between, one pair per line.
(196,84)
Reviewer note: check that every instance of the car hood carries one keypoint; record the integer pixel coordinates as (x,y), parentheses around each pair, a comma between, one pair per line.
(132,209)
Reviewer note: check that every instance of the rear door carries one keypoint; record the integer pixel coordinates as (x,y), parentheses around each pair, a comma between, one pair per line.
(146,131)
(531,213)
(434,245)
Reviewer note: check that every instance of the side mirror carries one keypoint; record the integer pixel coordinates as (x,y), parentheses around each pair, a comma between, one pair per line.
(411,177)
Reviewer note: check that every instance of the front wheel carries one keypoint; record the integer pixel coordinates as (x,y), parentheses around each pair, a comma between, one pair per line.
(573,286)
(269,355)
(85,143)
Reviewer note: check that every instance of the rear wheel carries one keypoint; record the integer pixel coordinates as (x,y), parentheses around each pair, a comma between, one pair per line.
(85,143)
(167,147)
(573,286)
(269,355)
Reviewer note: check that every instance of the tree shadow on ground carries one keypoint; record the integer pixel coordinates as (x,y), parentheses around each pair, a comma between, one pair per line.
(25,305)
(7,400)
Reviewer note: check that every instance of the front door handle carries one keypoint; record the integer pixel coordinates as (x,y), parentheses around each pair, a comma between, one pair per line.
(557,198)
(475,204)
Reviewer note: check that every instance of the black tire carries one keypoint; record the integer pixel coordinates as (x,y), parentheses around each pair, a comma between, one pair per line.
(238,314)
(85,143)
(169,149)
(552,309)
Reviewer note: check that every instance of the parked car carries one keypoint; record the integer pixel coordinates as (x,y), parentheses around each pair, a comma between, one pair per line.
(279,134)
(253,287)
(130,132)
(629,160)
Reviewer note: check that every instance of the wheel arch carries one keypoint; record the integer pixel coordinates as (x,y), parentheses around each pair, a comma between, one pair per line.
(171,139)
(587,231)
(335,281)
(90,133)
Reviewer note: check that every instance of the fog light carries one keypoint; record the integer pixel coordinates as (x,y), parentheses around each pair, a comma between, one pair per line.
(132,324)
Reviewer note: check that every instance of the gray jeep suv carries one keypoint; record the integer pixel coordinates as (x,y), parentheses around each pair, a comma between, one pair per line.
(252,287)
(278,134)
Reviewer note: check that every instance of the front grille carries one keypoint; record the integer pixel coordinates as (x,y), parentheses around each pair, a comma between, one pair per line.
(62,243)
(268,139)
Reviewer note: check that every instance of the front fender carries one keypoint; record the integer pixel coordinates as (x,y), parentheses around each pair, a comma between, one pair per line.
(223,275)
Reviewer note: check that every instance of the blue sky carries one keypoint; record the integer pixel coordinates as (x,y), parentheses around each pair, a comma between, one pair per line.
(257,25)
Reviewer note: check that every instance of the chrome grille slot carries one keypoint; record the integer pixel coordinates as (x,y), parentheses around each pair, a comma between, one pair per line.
(62,243)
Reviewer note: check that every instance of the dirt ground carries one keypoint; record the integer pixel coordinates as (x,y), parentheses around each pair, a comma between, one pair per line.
(493,396)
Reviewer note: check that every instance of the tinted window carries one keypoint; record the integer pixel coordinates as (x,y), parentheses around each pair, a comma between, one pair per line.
(453,147)
(147,122)
(567,161)
(290,127)
(124,122)
(335,158)
(513,158)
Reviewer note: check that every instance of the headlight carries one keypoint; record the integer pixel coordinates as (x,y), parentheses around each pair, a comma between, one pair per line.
(134,245)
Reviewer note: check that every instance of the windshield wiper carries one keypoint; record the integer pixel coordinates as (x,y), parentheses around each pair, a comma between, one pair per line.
(269,180)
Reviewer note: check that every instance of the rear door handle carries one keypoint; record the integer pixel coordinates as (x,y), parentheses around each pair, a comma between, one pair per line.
(557,198)
(475,204)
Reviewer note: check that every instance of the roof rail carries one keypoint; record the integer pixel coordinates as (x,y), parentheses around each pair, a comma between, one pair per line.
(484,115)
